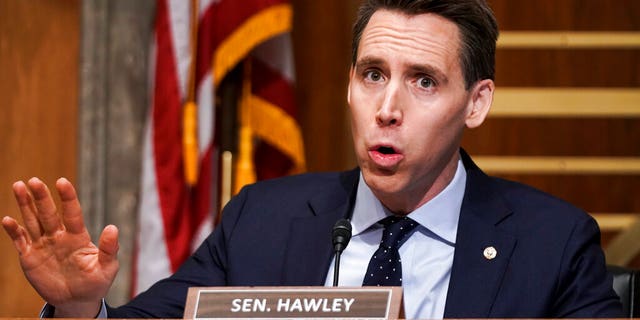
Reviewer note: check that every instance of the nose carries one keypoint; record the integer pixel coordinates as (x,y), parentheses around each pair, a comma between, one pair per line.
(389,112)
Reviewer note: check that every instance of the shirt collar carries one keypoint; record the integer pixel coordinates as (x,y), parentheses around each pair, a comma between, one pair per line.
(439,215)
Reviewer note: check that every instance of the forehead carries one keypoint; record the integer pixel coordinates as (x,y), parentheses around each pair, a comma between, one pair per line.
(424,37)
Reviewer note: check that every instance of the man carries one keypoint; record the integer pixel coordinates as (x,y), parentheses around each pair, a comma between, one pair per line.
(421,72)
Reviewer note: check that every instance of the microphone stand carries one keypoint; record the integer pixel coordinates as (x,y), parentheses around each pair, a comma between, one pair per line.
(336,269)
(341,235)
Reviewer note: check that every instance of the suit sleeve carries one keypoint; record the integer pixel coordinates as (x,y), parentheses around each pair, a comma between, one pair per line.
(206,267)
(585,289)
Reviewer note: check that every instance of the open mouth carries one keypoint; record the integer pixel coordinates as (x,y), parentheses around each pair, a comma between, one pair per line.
(385,156)
(386,150)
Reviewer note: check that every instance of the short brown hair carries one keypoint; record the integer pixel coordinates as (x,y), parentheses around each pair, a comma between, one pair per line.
(474,18)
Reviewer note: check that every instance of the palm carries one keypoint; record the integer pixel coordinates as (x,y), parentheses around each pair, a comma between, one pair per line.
(65,266)
(56,252)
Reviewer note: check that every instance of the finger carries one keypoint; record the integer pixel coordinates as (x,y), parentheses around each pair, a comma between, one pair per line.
(17,234)
(46,207)
(108,245)
(27,210)
(71,210)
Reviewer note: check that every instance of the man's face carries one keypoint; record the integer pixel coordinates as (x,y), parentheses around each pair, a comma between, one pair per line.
(409,106)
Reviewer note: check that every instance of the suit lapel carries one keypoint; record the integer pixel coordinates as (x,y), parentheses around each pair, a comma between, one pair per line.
(476,276)
(310,250)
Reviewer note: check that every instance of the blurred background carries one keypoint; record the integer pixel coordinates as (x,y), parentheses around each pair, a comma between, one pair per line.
(77,79)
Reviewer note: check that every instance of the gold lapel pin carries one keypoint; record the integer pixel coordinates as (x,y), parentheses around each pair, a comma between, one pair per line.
(490,253)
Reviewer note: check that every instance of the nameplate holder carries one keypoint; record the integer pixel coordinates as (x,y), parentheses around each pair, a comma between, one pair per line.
(293,302)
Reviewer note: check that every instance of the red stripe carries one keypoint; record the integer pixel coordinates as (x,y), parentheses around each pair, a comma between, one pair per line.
(270,162)
(167,146)
(166,134)
(270,85)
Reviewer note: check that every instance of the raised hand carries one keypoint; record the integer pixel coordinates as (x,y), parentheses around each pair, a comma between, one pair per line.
(56,252)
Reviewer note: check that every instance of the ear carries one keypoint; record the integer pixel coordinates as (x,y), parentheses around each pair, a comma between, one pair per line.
(351,71)
(480,103)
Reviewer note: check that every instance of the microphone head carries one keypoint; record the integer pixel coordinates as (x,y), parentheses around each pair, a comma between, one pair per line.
(341,234)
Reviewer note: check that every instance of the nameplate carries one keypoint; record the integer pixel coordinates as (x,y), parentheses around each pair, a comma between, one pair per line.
(293,302)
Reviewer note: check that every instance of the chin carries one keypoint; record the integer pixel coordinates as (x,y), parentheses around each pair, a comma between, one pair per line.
(383,183)
(390,192)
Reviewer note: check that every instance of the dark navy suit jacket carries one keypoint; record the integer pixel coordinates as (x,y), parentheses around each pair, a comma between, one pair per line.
(549,262)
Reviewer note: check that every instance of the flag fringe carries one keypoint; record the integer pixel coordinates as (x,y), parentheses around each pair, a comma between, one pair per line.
(273,125)
(260,27)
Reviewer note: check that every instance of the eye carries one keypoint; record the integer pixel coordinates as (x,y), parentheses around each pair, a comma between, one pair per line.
(373,75)
(426,82)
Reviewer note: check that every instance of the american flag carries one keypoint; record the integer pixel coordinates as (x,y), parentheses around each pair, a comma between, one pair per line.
(196,44)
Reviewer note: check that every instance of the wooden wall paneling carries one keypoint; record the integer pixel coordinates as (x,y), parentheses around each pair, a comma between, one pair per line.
(555,136)
(39,53)
(569,39)
(322,47)
(594,193)
(553,15)
(622,249)
(566,68)
(556,67)
(38,118)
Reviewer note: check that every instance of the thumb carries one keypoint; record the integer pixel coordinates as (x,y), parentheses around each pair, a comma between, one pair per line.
(108,245)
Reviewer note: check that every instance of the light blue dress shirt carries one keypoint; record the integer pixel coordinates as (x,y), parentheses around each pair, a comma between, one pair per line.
(427,255)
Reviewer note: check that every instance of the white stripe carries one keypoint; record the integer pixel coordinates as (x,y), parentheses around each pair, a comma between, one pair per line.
(180,28)
(153,260)
(206,116)
(202,233)
(278,54)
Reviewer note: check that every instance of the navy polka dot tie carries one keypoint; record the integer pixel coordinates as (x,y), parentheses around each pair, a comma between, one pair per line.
(384,267)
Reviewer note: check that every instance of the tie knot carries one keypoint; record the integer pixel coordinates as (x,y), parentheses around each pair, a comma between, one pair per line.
(396,230)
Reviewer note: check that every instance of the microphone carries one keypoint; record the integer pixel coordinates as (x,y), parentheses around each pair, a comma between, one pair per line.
(341,235)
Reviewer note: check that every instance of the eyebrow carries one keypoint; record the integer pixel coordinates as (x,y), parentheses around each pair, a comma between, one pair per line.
(368,62)
(430,70)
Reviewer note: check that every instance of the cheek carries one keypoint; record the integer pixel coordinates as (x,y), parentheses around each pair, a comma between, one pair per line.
(431,129)
(358,131)
(360,113)
(448,115)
